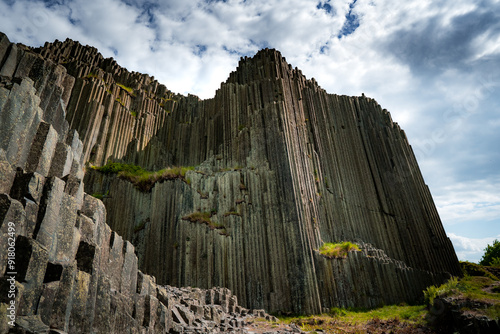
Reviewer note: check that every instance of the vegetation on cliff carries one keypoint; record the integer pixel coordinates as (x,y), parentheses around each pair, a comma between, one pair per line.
(143,179)
(128,89)
(337,250)
(205,218)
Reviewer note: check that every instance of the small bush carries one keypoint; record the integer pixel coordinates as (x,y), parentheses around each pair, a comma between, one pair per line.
(495,262)
(337,250)
(490,253)
(337,312)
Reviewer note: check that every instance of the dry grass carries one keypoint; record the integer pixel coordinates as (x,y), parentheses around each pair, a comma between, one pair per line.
(205,218)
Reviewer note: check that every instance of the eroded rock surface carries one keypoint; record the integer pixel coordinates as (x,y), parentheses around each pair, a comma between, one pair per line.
(281,167)
(72,273)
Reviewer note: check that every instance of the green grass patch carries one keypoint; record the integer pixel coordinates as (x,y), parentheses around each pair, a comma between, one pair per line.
(120,101)
(98,195)
(478,288)
(471,290)
(495,262)
(493,312)
(339,318)
(94,76)
(337,250)
(477,294)
(414,314)
(143,179)
(130,90)
(434,291)
(474,269)
(91,75)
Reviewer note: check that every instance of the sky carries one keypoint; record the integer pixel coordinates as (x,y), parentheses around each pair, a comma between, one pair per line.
(435,65)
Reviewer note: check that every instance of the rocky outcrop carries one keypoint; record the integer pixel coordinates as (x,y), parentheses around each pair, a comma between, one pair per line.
(462,315)
(281,167)
(110,107)
(300,167)
(63,270)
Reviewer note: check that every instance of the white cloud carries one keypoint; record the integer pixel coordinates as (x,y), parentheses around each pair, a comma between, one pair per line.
(469,201)
(429,63)
(470,249)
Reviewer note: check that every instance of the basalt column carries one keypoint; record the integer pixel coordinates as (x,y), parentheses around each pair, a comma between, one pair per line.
(280,167)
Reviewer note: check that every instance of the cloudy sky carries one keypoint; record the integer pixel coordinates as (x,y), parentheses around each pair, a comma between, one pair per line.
(435,65)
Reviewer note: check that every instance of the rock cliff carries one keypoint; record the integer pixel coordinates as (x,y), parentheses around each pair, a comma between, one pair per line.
(63,269)
(280,167)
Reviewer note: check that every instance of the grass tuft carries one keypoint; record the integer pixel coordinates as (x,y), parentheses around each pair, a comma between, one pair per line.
(474,269)
(130,90)
(337,250)
(470,287)
(120,101)
(445,289)
(143,180)
(205,218)
(98,195)
(350,320)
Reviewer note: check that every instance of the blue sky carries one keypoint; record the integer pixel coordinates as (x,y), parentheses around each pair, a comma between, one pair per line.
(434,65)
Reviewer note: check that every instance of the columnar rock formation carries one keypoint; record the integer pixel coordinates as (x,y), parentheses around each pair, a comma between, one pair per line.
(70,271)
(281,165)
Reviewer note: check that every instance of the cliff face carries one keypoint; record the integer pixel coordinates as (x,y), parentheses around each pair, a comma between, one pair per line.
(63,270)
(281,165)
